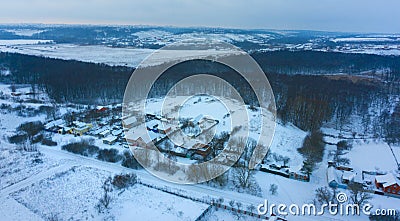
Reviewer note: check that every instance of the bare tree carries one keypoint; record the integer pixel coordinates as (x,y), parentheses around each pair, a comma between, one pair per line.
(324,195)
(358,195)
(106,199)
(273,189)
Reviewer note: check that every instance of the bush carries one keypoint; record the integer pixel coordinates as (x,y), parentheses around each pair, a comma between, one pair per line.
(313,147)
(49,142)
(82,148)
(18,138)
(109,155)
(344,145)
(124,180)
(31,128)
(129,161)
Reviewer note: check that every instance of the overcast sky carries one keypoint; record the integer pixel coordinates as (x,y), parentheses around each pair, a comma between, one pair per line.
(331,15)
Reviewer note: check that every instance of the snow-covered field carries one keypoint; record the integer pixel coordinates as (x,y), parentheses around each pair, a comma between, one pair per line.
(73,195)
(130,57)
(372,156)
(17,165)
(142,203)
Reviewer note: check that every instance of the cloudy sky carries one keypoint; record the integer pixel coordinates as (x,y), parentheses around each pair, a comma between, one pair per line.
(331,15)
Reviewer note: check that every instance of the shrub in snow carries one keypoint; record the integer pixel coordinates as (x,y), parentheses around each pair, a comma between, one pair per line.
(122,181)
(49,142)
(109,155)
(18,138)
(31,129)
(129,161)
(273,189)
(106,199)
(81,148)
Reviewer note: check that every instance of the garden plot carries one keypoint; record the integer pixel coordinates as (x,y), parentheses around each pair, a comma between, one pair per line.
(372,156)
(68,195)
(146,204)
(17,165)
(74,194)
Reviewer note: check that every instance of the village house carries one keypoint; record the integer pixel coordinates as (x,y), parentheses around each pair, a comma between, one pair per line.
(110,140)
(152,125)
(197,120)
(201,151)
(388,183)
(81,128)
(142,139)
(129,122)
(104,133)
(54,126)
(101,109)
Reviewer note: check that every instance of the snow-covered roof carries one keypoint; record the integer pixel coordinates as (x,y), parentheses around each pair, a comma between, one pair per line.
(152,124)
(386,180)
(348,175)
(110,139)
(130,120)
(331,174)
(54,123)
(79,124)
(103,133)
(197,119)
(117,132)
(146,136)
(163,127)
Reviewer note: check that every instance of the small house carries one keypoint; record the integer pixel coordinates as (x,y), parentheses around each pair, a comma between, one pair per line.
(140,139)
(152,125)
(110,140)
(197,120)
(388,183)
(331,176)
(65,130)
(104,133)
(163,129)
(129,122)
(81,128)
(117,132)
(53,126)
(101,109)
(348,177)
(201,149)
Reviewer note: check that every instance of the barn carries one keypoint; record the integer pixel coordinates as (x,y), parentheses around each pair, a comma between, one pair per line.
(388,183)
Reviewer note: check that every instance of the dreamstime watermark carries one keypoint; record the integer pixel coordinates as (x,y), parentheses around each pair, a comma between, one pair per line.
(341,208)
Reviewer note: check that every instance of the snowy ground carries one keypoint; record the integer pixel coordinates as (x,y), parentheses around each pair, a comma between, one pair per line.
(73,194)
(142,203)
(112,56)
(52,188)
(379,155)
(17,165)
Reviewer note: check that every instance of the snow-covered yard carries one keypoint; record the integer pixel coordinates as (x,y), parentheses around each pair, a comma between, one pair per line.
(66,195)
(17,165)
(73,195)
(146,204)
(372,156)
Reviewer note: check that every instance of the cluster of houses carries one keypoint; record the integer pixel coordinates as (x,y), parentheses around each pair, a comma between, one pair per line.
(60,126)
(376,182)
(158,128)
